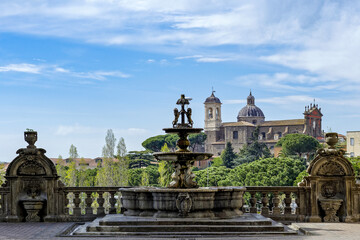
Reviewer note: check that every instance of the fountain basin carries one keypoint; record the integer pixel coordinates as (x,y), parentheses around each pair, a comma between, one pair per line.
(212,202)
(32,208)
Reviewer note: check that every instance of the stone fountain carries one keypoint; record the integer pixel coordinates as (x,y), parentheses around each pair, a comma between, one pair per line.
(183,198)
(182,208)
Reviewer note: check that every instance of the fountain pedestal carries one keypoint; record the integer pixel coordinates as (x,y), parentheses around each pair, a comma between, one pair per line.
(32,208)
(330,207)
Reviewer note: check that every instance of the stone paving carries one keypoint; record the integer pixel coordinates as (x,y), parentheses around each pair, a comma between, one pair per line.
(313,231)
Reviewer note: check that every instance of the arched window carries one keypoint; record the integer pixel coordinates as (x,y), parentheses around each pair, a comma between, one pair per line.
(210,113)
(235,135)
(217,114)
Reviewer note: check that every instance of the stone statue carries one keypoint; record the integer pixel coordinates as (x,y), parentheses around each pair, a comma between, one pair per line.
(188,115)
(177,115)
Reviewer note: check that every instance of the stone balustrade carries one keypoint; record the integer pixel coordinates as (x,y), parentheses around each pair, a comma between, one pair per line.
(87,203)
(33,192)
(281,203)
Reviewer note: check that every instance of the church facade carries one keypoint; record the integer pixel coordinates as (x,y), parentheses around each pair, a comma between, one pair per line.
(250,117)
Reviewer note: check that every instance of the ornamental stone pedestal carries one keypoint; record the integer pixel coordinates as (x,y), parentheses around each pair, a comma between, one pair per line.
(34,189)
(330,185)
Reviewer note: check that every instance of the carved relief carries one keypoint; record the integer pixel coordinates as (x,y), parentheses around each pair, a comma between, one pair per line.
(328,189)
(331,169)
(31,168)
(183,204)
(33,189)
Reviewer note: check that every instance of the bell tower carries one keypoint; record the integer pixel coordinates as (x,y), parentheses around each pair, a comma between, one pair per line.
(313,115)
(212,113)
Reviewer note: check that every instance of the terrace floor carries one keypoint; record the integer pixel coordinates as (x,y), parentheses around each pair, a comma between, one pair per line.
(52,230)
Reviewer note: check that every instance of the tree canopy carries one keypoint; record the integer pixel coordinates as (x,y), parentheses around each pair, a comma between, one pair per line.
(253,151)
(228,156)
(263,172)
(298,144)
(157,142)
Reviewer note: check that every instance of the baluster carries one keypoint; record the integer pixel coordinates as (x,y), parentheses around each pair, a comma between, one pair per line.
(119,203)
(77,200)
(253,203)
(287,201)
(276,201)
(101,200)
(297,201)
(2,204)
(66,202)
(88,201)
(264,201)
(112,201)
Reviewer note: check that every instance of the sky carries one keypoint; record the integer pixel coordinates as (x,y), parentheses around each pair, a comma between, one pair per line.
(72,69)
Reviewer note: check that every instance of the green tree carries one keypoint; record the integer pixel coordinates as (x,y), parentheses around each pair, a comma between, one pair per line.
(71,177)
(170,140)
(267,172)
(157,142)
(106,174)
(228,156)
(298,144)
(355,161)
(165,169)
(217,162)
(73,153)
(81,173)
(211,176)
(2,173)
(121,148)
(197,139)
(109,148)
(253,151)
(261,172)
(135,176)
(61,168)
(154,143)
(300,177)
(139,159)
(145,178)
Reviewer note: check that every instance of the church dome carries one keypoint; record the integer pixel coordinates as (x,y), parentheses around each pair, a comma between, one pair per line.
(212,99)
(250,110)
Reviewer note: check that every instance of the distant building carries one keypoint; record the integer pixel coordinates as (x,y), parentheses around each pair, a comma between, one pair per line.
(353,143)
(88,163)
(249,117)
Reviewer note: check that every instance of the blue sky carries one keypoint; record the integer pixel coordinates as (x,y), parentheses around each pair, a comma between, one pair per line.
(73,69)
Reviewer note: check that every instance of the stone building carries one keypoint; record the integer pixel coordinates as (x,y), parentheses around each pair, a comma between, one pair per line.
(249,117)
(353,143)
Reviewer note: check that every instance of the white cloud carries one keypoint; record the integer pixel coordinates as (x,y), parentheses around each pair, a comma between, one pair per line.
(284,100)
(209,59)
(65,130)
(320,37)
(284,82)
(22,67)
(54,69)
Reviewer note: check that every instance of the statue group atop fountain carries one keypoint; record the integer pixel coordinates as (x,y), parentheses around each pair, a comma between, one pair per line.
(183,159)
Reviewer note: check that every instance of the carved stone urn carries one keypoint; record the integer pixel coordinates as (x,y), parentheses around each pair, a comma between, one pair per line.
(30,138)
(331,139)
(330,207)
